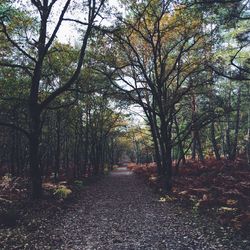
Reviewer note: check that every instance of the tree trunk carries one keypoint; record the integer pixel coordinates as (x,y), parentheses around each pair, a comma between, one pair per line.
(151,115)
(199,147)
(12,153)
(58,145)
(193,146)
(228,128)
(196,147)
(168,173)
(166,154)
(228,141)
(181,153)
(237,124)
(214,142)
(248,139)
(36,175)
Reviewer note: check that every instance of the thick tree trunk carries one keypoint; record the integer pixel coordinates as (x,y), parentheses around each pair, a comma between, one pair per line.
(166,154)
(157,152)
(35,169)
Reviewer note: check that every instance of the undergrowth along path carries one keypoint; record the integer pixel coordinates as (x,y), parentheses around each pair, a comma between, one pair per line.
(121,212)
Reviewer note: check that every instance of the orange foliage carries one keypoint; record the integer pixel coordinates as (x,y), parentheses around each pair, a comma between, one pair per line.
(221,187)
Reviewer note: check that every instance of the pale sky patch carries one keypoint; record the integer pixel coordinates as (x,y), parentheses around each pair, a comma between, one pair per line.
(69,33)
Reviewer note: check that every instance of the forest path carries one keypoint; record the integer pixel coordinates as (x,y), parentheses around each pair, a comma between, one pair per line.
(120,212)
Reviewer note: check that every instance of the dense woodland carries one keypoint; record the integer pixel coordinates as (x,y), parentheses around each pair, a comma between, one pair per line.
(152,81)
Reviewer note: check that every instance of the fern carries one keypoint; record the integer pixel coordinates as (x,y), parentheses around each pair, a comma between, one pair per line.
(62,192)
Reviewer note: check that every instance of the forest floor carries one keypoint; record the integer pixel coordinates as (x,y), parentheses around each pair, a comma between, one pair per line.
(217,188)
(119,212)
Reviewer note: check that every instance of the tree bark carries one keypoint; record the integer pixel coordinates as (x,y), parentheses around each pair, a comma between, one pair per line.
(181,153)
(237,124)
(214,142)
(35,169)
(58,145)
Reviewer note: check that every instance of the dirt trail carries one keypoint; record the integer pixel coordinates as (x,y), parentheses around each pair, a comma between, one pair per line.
(120,212)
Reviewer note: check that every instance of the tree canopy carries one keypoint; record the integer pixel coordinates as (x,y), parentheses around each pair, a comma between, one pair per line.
(65,108)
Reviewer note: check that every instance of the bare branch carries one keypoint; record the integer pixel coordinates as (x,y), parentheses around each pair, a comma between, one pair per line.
(15,44)
(11,65)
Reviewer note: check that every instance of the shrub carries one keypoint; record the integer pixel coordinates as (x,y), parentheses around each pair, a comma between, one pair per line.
(62,192)
(6,181)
